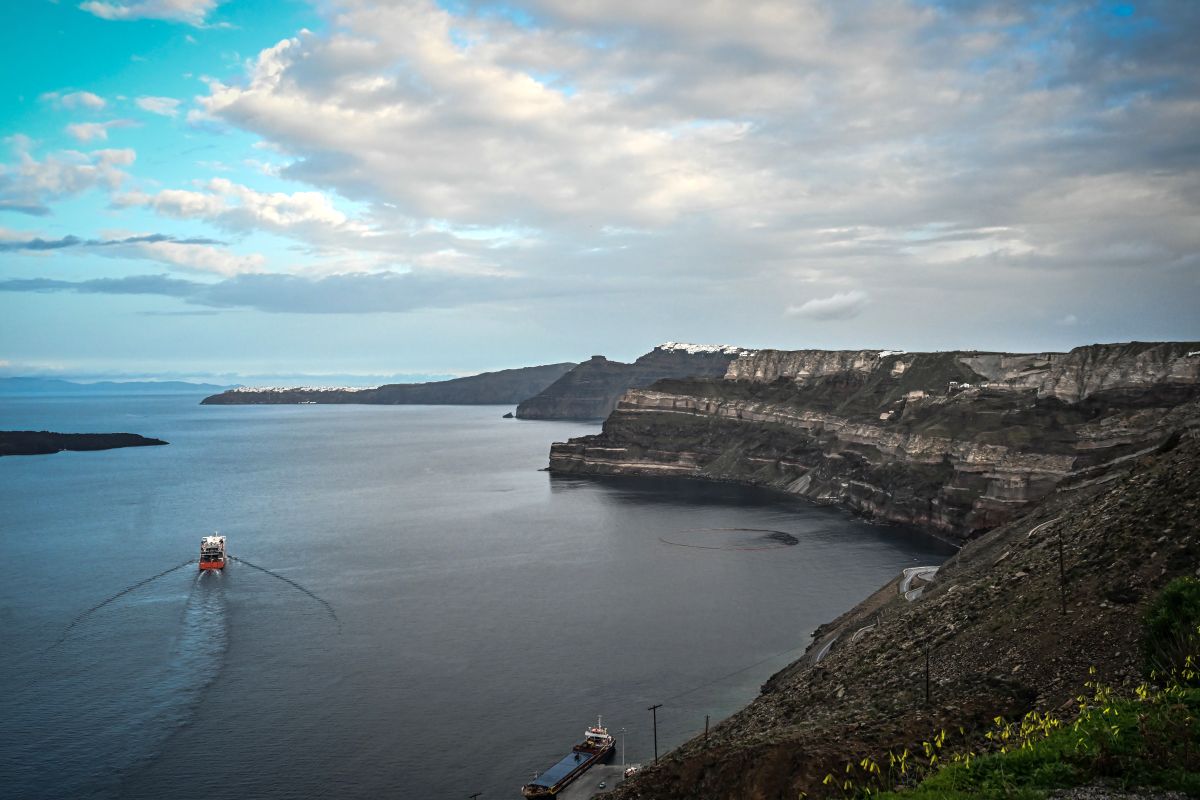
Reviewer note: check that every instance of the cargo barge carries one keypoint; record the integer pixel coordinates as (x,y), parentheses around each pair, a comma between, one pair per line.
(212,552)
(597,746)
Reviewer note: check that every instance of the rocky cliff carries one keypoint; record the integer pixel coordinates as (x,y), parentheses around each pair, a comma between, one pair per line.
(991,636)
(488,388)
(592,389)
(954,442)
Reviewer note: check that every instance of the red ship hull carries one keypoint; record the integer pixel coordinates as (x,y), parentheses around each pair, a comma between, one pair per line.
(212,565)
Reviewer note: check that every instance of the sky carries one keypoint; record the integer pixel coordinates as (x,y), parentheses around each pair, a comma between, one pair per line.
(242,188)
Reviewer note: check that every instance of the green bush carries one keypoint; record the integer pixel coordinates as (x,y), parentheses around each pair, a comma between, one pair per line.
(1171,627)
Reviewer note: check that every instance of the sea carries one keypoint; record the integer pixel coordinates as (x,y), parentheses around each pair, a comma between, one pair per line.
(416,609)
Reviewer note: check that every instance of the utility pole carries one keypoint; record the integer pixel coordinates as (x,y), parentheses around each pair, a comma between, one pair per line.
(622,751)
(473,796)
(926,674)
(706,730)
(654,711)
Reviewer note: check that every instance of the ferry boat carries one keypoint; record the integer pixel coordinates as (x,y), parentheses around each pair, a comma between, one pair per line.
(597,746)
(212,552)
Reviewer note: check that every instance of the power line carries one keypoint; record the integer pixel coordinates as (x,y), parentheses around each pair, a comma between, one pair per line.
(735,672)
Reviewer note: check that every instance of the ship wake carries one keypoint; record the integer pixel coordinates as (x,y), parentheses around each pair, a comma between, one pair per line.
(125,684)
(82,616)
(297,586)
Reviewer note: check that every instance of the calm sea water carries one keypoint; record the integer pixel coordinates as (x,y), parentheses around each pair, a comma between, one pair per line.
(481,612)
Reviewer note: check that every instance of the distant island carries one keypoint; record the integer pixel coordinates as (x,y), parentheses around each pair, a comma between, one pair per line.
(586,391)
(37,443)
(488,388)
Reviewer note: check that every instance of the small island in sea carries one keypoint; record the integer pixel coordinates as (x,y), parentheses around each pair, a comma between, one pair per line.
(37,443)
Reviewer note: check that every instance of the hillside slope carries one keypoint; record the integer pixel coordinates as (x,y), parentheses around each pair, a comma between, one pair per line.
(993,626)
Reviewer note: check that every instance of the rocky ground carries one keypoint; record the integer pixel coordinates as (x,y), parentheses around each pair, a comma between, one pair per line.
(991,627)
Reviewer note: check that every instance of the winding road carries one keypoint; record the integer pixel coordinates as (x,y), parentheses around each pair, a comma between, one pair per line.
(924,573)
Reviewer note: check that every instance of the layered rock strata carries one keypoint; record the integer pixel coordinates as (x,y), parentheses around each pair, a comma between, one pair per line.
(592,389)
(954,442)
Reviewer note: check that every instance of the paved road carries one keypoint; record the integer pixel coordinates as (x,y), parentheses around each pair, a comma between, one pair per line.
(924,573)
(588,786)
(825,650)
(859,633)
(1037,528)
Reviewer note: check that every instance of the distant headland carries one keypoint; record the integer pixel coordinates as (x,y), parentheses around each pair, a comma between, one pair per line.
(488,388)
(37,443)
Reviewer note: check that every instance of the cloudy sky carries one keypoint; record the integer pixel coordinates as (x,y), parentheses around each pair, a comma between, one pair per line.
(198,187)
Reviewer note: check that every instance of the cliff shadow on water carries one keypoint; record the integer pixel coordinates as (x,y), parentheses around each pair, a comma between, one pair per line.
(795,518)
(1028,619)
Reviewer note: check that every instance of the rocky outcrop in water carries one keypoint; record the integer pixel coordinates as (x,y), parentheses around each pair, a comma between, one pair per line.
(488,388)
(36,443)
(955,442)
(592,389)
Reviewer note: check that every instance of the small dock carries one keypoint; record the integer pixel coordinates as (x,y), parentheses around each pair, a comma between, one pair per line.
(588,784)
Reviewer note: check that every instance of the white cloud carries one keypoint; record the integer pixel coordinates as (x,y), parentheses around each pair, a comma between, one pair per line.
(163,106)
(755,125)
(676,152)
(842,305)
(28,184)
(467,136)
(193,12)
(75,100)
(236,207)
(88,131)
(191,257)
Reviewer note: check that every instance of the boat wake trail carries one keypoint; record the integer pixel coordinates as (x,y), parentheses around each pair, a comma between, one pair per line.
(169,696)
(294,585)
(111,598)
(114,710)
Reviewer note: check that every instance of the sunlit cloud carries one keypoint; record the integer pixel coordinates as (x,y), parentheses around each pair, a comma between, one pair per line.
(163,106)
(28,184)
(842,305)
(193,12)
(75,100)
(88,131)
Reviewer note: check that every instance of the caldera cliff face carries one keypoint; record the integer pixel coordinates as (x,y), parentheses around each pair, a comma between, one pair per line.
(953,442)
(592,389)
